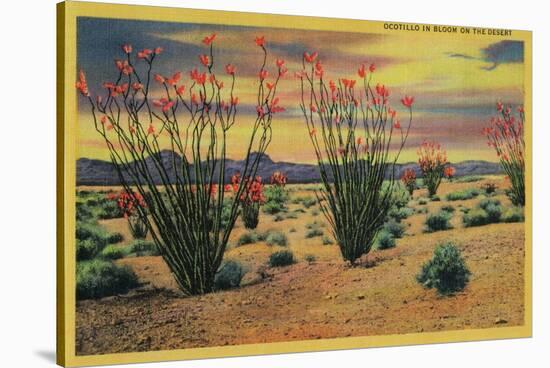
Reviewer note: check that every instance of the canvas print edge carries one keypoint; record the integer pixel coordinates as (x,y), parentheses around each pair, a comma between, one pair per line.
(66,110)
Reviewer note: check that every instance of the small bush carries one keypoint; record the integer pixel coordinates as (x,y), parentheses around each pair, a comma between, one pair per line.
(276,238)
(400,213)
(83,213)
(475,217)
(435,198)
(292,230)
(108,209)
(327,240)
(385,240)
(314,232)
(462,195)
(291,215)
(278,218)
(281,258)
(489,188)
(315,212)
(87,249)
(229,276)
(272,207)
(422,201)
(250,237)
(421,210)
(99,278)
(113,252)
(308,202)
(448,208)
(396,229)
(141,248)
(486,202)
(469,179)
(437,222)
(310,258)
(513,214)
(446,271)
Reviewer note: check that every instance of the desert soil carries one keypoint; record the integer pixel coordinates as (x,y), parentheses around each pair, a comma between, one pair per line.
(322,299)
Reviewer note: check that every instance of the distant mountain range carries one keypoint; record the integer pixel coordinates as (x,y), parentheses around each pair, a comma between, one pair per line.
(98,172)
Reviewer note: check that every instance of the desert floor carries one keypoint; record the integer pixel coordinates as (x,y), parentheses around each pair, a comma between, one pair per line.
(320,299)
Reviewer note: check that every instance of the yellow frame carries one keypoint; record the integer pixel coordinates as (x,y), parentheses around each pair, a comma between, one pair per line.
(67,12)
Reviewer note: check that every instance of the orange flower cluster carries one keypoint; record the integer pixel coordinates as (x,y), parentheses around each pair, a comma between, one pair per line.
(278,178)
(409,179)
(128,202)
(431,157)
(254,191)
(449,172)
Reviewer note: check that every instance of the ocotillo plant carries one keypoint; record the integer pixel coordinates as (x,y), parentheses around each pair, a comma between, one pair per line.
(130,203)
(505,135)
(409,180)
(252,199)
(432,161)
(351,129)
(449,172)
(184,205)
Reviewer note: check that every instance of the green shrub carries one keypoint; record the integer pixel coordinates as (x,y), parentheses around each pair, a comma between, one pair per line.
(385,240)
(108,209)
(315,212)
(475,217)
(94,232)
(462,195)
(437,222)
(87,249)
(281,258)
(83,213)
(275,193)
(435,198)
(314,232)
(400,213)
(308,202)
(141,248)
(291,215)
(327,240)
(113,252)
(489,188)
(396,229)
(421,210)
(494,212)
(98,278)
(276,238)
(310,258)
(422,201)
(446,271)
(229,276)
(468,179)
(278,218)
(448,208)
(513,214)
(272,207)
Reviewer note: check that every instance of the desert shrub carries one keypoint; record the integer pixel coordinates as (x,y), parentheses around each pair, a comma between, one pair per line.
(291,215)
(229,276)
(315,212)
(385,240)
(513,214)
(98,278)
(327,240)
(396,229)
(422,201)
(108,209)
(96,234)
(83,213)
(272,207)
(278,218)
(87,249)
(399,214)
(113,252)
(292,230)
(275,193)
(435,198)
(299,210)
(310,258)
(437,222)
(469,179)
(461,195)
(475,217)
(308,202)
(141,248)
(276,238)
(448,208)
(421,210)
(281,258)
(487,202)
(489,188)
(494,212)
(314,232)
(446,271)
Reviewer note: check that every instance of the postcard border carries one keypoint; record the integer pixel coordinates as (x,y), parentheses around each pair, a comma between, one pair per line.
(67,12)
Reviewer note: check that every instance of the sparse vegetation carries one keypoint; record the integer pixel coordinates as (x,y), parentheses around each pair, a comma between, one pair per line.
(142,248)
(513,214)
(99,278)
(281,258)
(446,271)
(113,252)
(437,222)
(488,211)
(462,195)
(276,238)
(396,229)
(229,276)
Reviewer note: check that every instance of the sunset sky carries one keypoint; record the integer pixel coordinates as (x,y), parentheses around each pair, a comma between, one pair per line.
(455,83)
